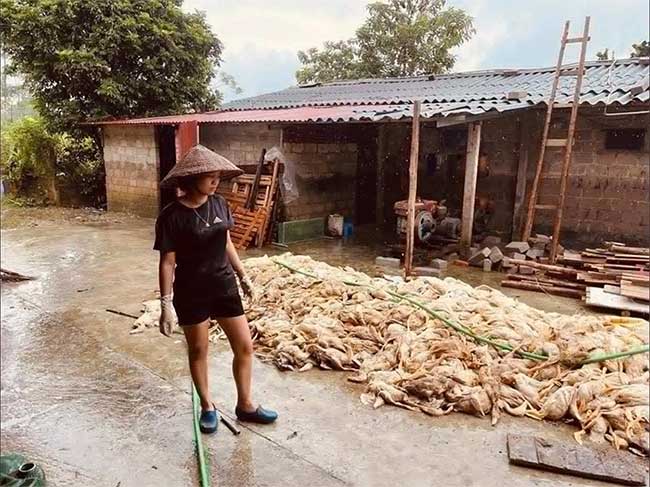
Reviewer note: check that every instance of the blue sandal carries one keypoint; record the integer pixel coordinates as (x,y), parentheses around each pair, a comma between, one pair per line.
(260,415)
(209,421)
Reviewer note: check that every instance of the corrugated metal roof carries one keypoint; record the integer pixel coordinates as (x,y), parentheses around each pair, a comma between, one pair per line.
(471,93)
(601,77)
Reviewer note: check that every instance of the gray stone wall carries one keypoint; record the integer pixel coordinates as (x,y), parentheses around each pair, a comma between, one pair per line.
(607,190)
(131,160)
(325,172)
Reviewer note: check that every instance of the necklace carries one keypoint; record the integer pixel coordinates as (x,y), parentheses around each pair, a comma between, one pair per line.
(207,222)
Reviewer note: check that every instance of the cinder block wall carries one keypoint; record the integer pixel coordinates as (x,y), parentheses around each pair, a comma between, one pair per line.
(325,172)
(607,191)
(240,143)
(326,179)
(500,142)
(131,161)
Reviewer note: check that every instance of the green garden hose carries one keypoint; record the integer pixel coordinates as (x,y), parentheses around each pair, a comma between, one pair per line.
(466,331)
(200,452)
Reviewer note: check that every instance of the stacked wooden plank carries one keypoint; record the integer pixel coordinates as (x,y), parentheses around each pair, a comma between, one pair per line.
(252,221)
(615,276)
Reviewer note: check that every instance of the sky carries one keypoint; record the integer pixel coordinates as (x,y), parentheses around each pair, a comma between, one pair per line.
(261,38)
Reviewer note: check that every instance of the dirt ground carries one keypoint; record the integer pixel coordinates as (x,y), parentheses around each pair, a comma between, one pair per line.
(97,406)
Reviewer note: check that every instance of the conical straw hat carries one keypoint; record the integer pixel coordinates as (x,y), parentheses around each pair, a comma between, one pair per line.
(199,160)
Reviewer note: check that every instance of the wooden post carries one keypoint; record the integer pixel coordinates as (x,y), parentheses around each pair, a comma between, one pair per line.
(469,191)
(413,188)
(381,162)
(522,171)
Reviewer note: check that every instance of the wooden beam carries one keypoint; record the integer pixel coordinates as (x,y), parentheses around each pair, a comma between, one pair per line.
(381,163)
(413,187)
(469,191)
(522,171)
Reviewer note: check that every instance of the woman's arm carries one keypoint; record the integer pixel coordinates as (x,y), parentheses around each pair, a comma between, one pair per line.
(233,257)
(166,272)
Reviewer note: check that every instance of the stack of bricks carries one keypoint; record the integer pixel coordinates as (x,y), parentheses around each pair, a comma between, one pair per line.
(131,161)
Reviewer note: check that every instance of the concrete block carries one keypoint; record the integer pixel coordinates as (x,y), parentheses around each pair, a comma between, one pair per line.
(495,255)
(439,264)
(535,253)
(521,247)
(506,264)
(518,256)
(387,262)
(477,258)
(524,269)
(487,265)
(428,271)
(491,241)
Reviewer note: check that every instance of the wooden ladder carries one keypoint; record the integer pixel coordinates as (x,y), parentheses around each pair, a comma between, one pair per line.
(566,144)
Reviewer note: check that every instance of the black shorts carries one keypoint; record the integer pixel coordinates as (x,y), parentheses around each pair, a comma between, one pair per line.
(192,310)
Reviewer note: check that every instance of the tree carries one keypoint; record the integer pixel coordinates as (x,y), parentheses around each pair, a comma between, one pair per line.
(399,38)
(122,58)
(603,55)
(642,49)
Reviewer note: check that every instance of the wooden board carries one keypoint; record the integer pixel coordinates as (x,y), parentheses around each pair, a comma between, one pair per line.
(572,459)
(597,296)
(635,292)
(544,288)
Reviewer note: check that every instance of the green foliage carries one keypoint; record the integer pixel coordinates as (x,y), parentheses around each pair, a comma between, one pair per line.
(28,152)
(399,38)
(36,162)
(79,168)
(642,49)
(121,58)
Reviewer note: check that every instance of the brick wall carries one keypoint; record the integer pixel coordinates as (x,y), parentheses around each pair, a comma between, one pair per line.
(239,143)
(607,190)
(500,142)
(131,161)
(325,172)
(326,179)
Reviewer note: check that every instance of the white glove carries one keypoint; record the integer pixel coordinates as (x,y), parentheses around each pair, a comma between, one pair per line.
(167,316)
(247,286)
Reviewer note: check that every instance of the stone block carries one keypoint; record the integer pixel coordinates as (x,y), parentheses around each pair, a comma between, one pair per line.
(521,247)
(428,271)
(439,264)
(524,269)
(487,265)
(491,241)
(518,256)
(387,262)
(535,253)
(495,255)
(477,258)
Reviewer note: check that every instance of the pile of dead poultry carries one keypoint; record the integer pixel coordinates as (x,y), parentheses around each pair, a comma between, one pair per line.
(439,346)
(507,356)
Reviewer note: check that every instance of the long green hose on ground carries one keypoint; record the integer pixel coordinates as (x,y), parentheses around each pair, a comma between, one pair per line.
(200,452)
(466,331)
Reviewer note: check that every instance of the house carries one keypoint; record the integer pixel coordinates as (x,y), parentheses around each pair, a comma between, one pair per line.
(349,141)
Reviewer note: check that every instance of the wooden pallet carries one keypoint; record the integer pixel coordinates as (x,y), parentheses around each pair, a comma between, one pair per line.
(251,226)
(247,225)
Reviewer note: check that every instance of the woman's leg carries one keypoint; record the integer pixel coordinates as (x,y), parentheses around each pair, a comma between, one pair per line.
(197,353)
(239,336)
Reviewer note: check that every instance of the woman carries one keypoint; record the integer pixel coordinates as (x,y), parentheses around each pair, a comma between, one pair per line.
(198,257)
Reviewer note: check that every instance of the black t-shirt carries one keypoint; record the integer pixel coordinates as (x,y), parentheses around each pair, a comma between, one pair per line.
(198,236)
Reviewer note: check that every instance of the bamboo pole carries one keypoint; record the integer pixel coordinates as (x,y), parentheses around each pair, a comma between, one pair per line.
(413,187)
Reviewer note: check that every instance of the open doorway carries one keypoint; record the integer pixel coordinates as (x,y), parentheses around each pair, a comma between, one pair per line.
(166,135)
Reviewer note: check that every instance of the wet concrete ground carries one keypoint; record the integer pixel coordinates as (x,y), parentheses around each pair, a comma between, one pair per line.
(97,406)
